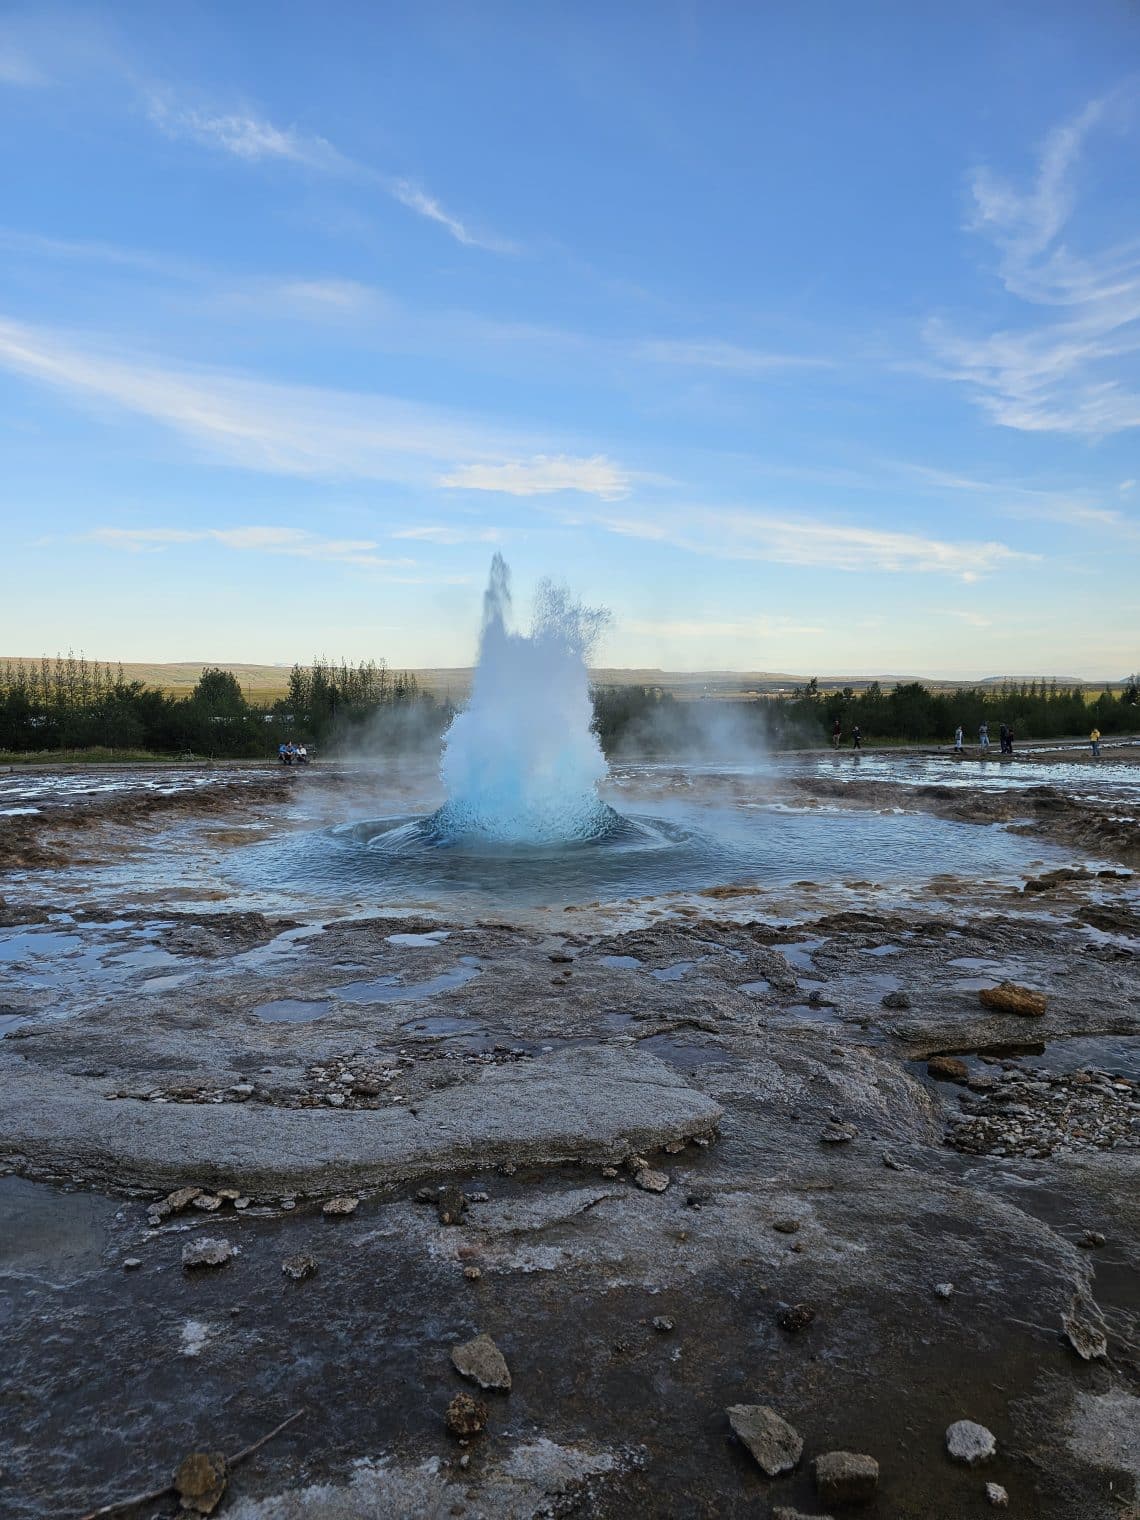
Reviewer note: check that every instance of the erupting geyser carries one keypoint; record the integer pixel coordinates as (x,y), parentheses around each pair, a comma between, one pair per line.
(521,763)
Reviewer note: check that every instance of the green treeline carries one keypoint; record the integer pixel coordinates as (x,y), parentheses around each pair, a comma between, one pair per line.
(644,720)
(71,704)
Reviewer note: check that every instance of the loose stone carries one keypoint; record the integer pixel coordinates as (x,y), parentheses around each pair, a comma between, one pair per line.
(131,1262)
(1008,997)
(340,1206)
(944,1290)
(786,1226)
(776,1446)
(452,1205)
(201,1481)
(298,1267)
(1086,1339)
(838,1134)
(209,1203)
(949,1068)
(970,1443)
(466,1416)
(846,1477)
(651,1181)
(997,1495)
(206,1252)
(472,1274)
(795,1319)
(482,1361)
(173,1203)
(660,1322)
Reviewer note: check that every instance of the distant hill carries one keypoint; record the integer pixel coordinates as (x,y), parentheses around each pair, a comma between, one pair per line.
(264,683)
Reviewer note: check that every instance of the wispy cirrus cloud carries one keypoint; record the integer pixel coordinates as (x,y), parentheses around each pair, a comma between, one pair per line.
(304,430)
(1079,509)
(716,354)
(443,533)
(720,628)
(737,534)
(297,542)
(254,139)
(1075,375)
(544,475)
(417,199)
(244,135)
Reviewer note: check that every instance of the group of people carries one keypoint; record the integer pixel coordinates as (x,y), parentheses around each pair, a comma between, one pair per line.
(837,735)
(292,754)
(1006,737)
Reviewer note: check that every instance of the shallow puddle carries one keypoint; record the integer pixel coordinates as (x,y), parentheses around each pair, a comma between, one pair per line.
(291,1010)
(673,973)
(389,989)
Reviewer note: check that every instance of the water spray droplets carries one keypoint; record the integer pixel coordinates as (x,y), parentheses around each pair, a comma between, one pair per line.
(521,763)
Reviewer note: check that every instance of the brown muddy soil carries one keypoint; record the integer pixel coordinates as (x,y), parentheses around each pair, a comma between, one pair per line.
(764,1051)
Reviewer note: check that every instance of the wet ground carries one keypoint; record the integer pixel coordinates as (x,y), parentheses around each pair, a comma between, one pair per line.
(766,1038)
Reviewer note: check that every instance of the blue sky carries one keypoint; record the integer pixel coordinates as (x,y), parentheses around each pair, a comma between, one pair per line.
(802,337)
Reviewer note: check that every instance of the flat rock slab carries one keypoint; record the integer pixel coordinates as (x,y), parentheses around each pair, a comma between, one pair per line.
(846,1477)
(482,1362)
(771,1440)
(969,1442)
(598,1105)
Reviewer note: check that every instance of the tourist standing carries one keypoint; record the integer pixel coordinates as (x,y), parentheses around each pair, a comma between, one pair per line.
(857,737)
(1094,740)
(1009,740)
(836,734)
(1004,736)
(984,736)
(958,739)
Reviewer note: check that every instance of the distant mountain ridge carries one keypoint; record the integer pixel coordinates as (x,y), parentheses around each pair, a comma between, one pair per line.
(267,682)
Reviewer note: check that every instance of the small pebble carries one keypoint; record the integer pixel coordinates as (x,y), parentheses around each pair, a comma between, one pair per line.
(131,1263)
(944,1290)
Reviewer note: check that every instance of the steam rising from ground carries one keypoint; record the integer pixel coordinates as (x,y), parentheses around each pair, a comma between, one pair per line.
(521,763)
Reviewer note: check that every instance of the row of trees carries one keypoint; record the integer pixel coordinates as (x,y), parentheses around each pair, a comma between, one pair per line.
(913,712)
(70,704)
(644,720)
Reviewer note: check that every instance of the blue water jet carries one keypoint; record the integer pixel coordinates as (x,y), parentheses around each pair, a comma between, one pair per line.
(521,763)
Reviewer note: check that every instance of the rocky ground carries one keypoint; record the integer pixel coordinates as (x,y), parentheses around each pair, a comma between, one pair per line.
(706,1170)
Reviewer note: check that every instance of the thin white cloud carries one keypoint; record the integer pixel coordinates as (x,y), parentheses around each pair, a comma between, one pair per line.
(243,135)
(742,535)
(307,431)
(719,628)
(416,199)
(296,542)
(254,139)
(1027,503)
(1076,375)
(543,475)
(440,533)
(714,353)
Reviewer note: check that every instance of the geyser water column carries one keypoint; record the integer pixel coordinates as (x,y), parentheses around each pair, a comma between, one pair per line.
(521,763)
